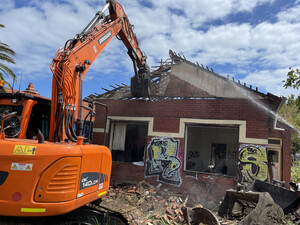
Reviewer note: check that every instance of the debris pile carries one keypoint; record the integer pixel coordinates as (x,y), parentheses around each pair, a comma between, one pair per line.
(143,203)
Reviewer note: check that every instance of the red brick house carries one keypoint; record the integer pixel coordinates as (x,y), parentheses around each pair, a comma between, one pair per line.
(198,131)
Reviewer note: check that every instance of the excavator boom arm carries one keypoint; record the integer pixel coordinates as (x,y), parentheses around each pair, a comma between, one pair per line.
(72,62)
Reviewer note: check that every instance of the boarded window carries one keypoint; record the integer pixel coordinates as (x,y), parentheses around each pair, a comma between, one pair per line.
(212,149)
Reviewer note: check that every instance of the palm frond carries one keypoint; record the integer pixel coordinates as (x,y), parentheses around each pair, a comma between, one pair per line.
(5,55)
(7,71)
(10,87)
(5,48)
(7,58)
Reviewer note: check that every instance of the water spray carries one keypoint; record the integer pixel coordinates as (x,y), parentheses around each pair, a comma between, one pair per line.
(276,116)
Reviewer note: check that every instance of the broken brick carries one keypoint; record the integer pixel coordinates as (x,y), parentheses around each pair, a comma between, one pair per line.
(181,219)
(174,206)
(171,217)
(181,213)
(169,211)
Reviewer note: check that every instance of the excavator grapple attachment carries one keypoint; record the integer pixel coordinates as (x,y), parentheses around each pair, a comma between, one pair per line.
(140,87)
(284,197)
(253,207)
(140,83)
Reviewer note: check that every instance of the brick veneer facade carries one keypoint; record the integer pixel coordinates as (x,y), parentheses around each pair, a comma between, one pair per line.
(167,115)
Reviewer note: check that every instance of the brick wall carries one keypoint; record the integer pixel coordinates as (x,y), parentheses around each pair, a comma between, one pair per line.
(167,114)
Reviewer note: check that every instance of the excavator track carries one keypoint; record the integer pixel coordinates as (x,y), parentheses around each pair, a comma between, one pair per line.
(90,214)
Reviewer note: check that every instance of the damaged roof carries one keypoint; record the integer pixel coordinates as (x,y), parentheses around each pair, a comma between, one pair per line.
(179,78)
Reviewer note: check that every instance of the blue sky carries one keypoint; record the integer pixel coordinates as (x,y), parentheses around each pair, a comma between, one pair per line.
(255,41)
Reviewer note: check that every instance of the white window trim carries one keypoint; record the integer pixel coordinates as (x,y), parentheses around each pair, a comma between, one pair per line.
(242,124)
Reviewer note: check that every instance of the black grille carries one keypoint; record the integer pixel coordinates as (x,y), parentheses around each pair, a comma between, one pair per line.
(3,176)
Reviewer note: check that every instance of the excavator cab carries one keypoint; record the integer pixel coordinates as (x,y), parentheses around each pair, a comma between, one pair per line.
(32,113)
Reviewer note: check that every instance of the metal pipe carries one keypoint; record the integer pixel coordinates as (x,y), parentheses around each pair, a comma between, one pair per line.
(99,15)
(80,95)
(105,7)
(79,125)
(90,123)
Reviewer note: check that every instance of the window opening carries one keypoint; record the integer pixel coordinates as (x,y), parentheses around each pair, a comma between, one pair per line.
(129,142)
(274,141)
(212,149)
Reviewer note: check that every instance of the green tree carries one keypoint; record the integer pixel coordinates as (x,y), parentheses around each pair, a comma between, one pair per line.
(293,80)
(6,54)
(290,112)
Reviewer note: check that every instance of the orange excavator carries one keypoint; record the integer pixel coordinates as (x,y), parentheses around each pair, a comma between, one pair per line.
(48,178)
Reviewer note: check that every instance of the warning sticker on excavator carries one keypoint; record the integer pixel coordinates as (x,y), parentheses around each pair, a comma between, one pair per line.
(24,150)
(21,166)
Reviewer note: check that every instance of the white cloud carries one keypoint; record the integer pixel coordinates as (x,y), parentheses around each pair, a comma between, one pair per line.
(291,15)
(6,5)
(263,52)
(270,81)
(200,12)
(241,5)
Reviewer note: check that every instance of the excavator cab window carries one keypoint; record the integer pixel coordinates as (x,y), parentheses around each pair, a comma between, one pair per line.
(12,125)
(39,119)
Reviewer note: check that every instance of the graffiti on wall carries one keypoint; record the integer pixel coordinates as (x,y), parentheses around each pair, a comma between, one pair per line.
(193,155)
(163,160)
(253,163)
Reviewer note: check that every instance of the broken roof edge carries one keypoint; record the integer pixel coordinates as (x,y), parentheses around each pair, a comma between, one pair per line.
(177,57)
(123,92)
